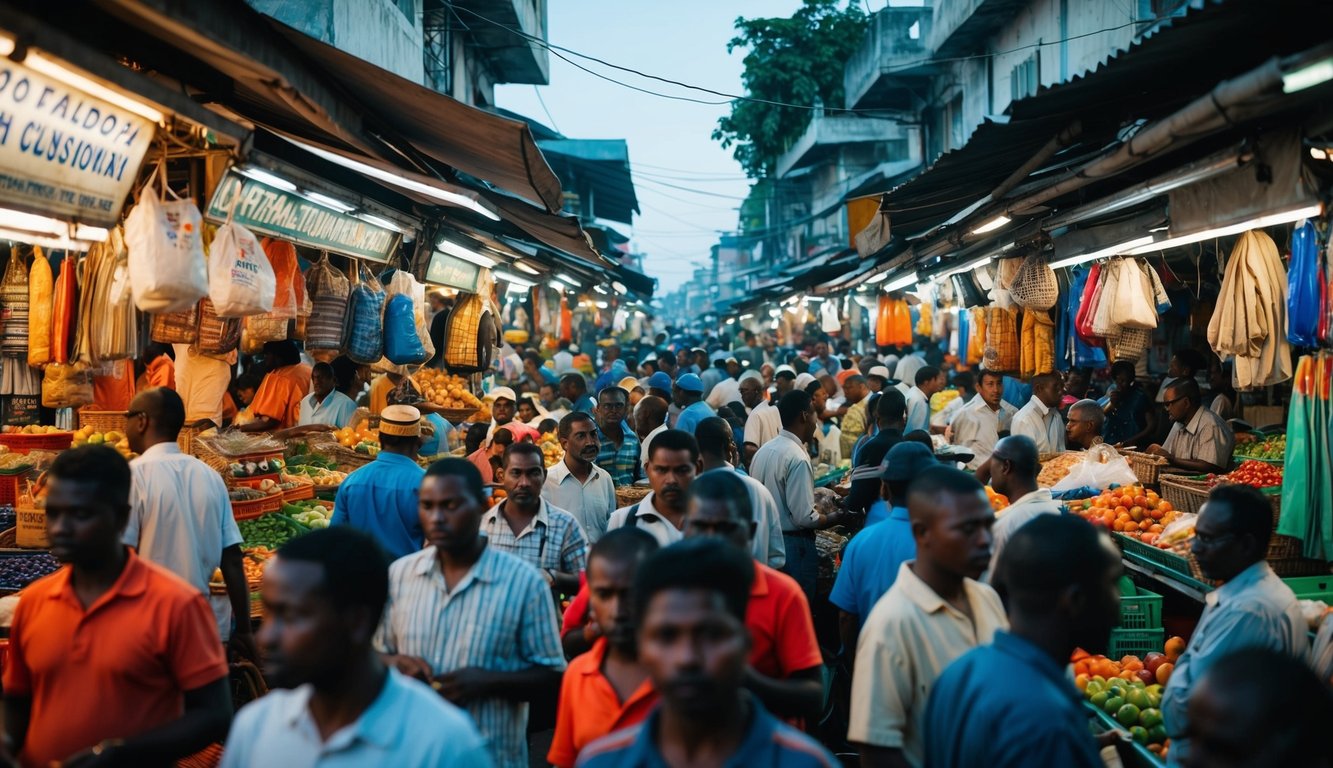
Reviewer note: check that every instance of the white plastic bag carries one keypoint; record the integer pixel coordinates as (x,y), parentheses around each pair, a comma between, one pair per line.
(1105,298)
(1134,305)
(168,270)
(240,278)
(1102,468)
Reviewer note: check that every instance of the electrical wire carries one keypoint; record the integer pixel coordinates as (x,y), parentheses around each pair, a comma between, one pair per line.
(731,97)
(545,109)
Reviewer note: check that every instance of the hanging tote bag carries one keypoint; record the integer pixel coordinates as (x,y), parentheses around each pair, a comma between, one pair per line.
(1087,305)
(469,336)
(63,308)
(363,337)
(1133,306)
(328,290)
(240,278)
(1035,287)
(215,336)
(41,292)
(402,344)
(1102,324)
(168,271)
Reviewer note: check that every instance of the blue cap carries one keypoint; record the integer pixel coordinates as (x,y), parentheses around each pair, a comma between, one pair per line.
(690,383)
(660,380)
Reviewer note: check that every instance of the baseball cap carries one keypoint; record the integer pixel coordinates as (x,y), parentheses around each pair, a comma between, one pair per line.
(906,460)
(660,380)
(690,383)
(628,383)
(502,392)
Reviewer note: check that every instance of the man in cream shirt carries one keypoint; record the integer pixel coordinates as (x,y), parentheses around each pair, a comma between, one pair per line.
(978,424)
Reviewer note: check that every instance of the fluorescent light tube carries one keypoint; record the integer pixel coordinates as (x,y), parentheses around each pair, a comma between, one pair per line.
(50,68)
(523,267)
(618,287)
(556,284)
(566,279)
(881,277)
(908,279)
(511,278)
(600,290)
(992,225)
(466,254)
(332,203)
(1114,250)
(1270,220)
(379,221)
(265,177)
(1309,76)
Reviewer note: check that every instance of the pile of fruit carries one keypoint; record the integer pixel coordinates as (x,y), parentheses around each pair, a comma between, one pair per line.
(445,390)
(481,416)
(1130,510)
(88,436)
(998,501)
(552,453)
(1056,468)
(1130,690)
(254,562)
(309,474)
(31,429)
(309,513)
(18,571)
(360,438)
(1250,445)
(1256,473)
(943,398)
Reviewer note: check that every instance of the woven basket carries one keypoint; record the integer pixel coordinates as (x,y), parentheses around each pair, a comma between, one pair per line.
(469,336)
(175,327)
(628,495)
(102,421)
(1184,493)
(1297,566)
(9,538)
(457,415)
(215,335)
(1146,466)
(1035,287)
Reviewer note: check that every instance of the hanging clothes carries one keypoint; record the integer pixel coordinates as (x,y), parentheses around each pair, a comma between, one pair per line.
(1250,317)
(1307,484)
(829,322)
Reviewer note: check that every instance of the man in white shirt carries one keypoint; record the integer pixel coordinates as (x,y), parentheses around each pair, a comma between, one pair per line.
(673,462)
(717,451)
(907,367)
(576,484)
(328,678)
(928,381)
(1013,474)
(1040,418)
(978,424)
(727,390)
(180,514)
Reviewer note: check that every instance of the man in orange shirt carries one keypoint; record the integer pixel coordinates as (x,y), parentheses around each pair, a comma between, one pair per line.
(112,660)
(277,404)
(786,666)
(606,689)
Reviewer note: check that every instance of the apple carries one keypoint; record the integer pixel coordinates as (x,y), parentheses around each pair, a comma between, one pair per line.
(1154,660)
(1148,677)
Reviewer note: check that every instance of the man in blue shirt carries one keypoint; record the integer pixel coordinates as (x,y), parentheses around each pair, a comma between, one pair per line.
(823,362)
(325,405)
(867,475)
(688,393)
(691,599)
(574,388)
(1012,703)
(381,497)
(871,560)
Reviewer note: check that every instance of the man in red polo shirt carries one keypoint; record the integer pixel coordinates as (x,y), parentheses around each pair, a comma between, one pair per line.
(606,689)
(785,662)
(112,660)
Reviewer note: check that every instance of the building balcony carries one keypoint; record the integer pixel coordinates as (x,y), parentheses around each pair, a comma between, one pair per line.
(826,133)
(892,60)
(960,27)
(512,57)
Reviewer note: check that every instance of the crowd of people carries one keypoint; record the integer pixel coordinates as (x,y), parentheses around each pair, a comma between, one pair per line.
(489,610)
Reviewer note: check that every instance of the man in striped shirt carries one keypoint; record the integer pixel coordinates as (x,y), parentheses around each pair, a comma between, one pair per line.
(477,623)
(529,527)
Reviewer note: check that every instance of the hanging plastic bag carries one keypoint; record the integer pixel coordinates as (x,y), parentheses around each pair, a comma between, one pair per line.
(168,271)
(289,289)
(328,290)
(41,293)
(1303,281)
(364,335)
(240,278)
(1133,305)
(402,344)
(1100,469)
(1105,299)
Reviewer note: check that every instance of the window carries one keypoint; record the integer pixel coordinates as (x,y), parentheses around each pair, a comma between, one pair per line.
(1025,78)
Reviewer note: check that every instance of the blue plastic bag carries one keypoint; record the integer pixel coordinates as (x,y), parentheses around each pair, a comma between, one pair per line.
(364,339)
(401,344)
(1303,287)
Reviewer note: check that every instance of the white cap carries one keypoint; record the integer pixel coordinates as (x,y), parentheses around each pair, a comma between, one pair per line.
(502,392)
(880,371)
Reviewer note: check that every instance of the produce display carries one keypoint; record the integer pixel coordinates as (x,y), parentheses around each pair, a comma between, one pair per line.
(481,416)
(309,513)
(445,390)
(270,531)
(1130,510)
(242,444)
(256,468)
(1252,472)
(251,494)
(31,429)
(1250,445)
(942,398)
(360,438)
(998,501)
(1055,469)
(18,571)
(309,474)
(15,462)
(87,435)
(552,453)
(1130,690)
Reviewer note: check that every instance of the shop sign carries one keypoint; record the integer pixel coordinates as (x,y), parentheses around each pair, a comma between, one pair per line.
(22,410)
(288,216)
(64,153)
(453,272)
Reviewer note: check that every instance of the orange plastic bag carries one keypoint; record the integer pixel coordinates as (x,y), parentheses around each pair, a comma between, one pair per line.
(883,322)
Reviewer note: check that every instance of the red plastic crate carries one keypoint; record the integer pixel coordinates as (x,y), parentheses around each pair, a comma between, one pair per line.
(56,441)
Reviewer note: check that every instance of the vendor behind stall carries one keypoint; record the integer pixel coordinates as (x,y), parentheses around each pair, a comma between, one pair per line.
(277,404)
(325,405)
(1199,441)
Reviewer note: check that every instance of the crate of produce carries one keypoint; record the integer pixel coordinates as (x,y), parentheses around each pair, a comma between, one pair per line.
(1167,558)
(19,569)
(270,530)
(50,441)
(1135,642)
(1105,722)
(297,492)
(102,421)
(1146,466)
(249,503)
(1185,493)
(1140,610)
(259,482)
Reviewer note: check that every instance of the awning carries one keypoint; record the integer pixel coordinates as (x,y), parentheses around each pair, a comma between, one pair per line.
(601,164)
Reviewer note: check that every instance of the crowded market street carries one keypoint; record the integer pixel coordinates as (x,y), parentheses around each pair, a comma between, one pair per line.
(943,384)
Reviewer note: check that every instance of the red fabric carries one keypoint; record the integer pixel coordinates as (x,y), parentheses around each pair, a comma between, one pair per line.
(116,670)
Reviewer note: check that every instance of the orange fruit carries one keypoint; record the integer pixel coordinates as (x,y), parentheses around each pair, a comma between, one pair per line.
(1165,506)
(1164,672)
(1174,647)
(1081,681)
(1079,655)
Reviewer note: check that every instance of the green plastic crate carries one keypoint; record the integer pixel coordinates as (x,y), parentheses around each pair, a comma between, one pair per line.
(1157,555)
(1312,587)
(1141,611)
(1135,642)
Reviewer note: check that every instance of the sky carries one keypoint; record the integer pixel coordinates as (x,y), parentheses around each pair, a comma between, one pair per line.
(669,141)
